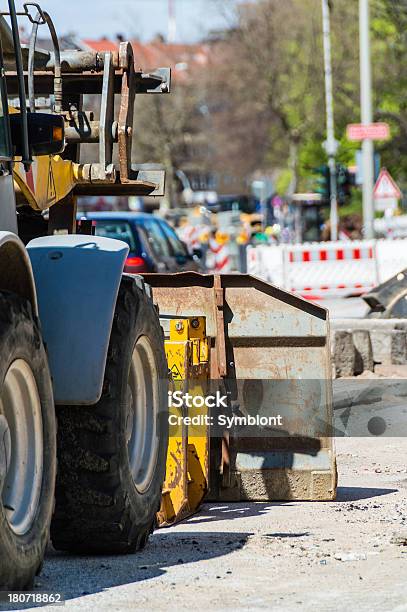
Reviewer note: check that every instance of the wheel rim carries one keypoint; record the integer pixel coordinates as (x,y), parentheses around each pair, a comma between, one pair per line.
(20,404)
(142,414)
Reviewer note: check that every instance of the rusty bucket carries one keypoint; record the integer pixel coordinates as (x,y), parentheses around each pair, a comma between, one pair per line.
(269,350)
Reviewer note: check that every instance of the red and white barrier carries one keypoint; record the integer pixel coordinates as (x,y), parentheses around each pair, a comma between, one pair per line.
(329,269)
(190,234)
(336,269)
(218,258)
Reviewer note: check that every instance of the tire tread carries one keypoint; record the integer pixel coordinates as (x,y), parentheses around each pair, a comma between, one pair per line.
(94,513)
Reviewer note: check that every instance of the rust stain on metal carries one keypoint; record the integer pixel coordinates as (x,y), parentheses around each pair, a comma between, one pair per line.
(220,326)
(126,111)
(176,475)
(266,334)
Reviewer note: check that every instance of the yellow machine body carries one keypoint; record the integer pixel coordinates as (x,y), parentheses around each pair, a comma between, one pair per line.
(186,484)
(49,180)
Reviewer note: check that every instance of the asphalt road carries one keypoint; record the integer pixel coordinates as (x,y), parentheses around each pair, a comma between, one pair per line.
(350,554)
(336,556)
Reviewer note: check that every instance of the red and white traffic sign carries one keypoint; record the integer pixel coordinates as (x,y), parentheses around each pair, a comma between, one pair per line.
(371,131)
(386,187)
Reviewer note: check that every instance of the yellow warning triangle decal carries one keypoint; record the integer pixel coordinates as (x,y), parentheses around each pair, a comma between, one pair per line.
(51,189)
(176,374)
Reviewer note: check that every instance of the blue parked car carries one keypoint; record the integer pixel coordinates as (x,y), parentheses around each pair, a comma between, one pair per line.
(154,245)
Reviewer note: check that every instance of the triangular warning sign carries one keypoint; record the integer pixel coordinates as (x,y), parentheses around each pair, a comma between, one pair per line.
(386,187)
(51,190)
(176,374)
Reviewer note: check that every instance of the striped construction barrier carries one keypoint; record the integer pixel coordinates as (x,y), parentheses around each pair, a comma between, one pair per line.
(315,271)
(219,259)
(190,234)
(328,269)
(335,254)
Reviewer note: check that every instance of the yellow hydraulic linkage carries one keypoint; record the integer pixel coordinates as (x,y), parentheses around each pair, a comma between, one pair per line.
(187,350)
(64,80)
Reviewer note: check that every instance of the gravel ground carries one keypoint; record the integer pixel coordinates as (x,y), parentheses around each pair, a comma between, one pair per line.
(343,555)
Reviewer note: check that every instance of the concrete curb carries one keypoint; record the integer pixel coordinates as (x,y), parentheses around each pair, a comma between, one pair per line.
(358,345)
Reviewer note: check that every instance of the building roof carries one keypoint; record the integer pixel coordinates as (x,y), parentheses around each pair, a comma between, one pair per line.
(182,59)
(104,44)
(155,53)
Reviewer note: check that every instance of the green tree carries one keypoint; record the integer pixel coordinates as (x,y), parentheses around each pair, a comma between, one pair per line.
(263,94)
(271,102)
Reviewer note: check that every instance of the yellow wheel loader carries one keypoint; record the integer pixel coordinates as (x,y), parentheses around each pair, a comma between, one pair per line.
(80,342)
(102,353)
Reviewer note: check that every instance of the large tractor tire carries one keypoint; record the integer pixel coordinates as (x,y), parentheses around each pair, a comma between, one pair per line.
(27,445)
(112,455)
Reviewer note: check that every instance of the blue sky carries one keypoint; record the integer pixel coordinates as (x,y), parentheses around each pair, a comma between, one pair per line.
(135,18)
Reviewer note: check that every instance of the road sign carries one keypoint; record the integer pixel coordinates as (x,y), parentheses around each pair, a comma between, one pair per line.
(371,131)
(386,187)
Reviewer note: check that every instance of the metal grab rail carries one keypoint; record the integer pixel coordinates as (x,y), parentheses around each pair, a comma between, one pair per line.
(27,159)
(57,67)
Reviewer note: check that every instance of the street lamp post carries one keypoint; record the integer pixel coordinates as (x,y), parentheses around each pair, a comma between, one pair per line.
(331,144)
(172,22)
(367,117)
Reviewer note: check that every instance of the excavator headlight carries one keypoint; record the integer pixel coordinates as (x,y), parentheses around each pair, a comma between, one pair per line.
(46,134)
(58,133)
